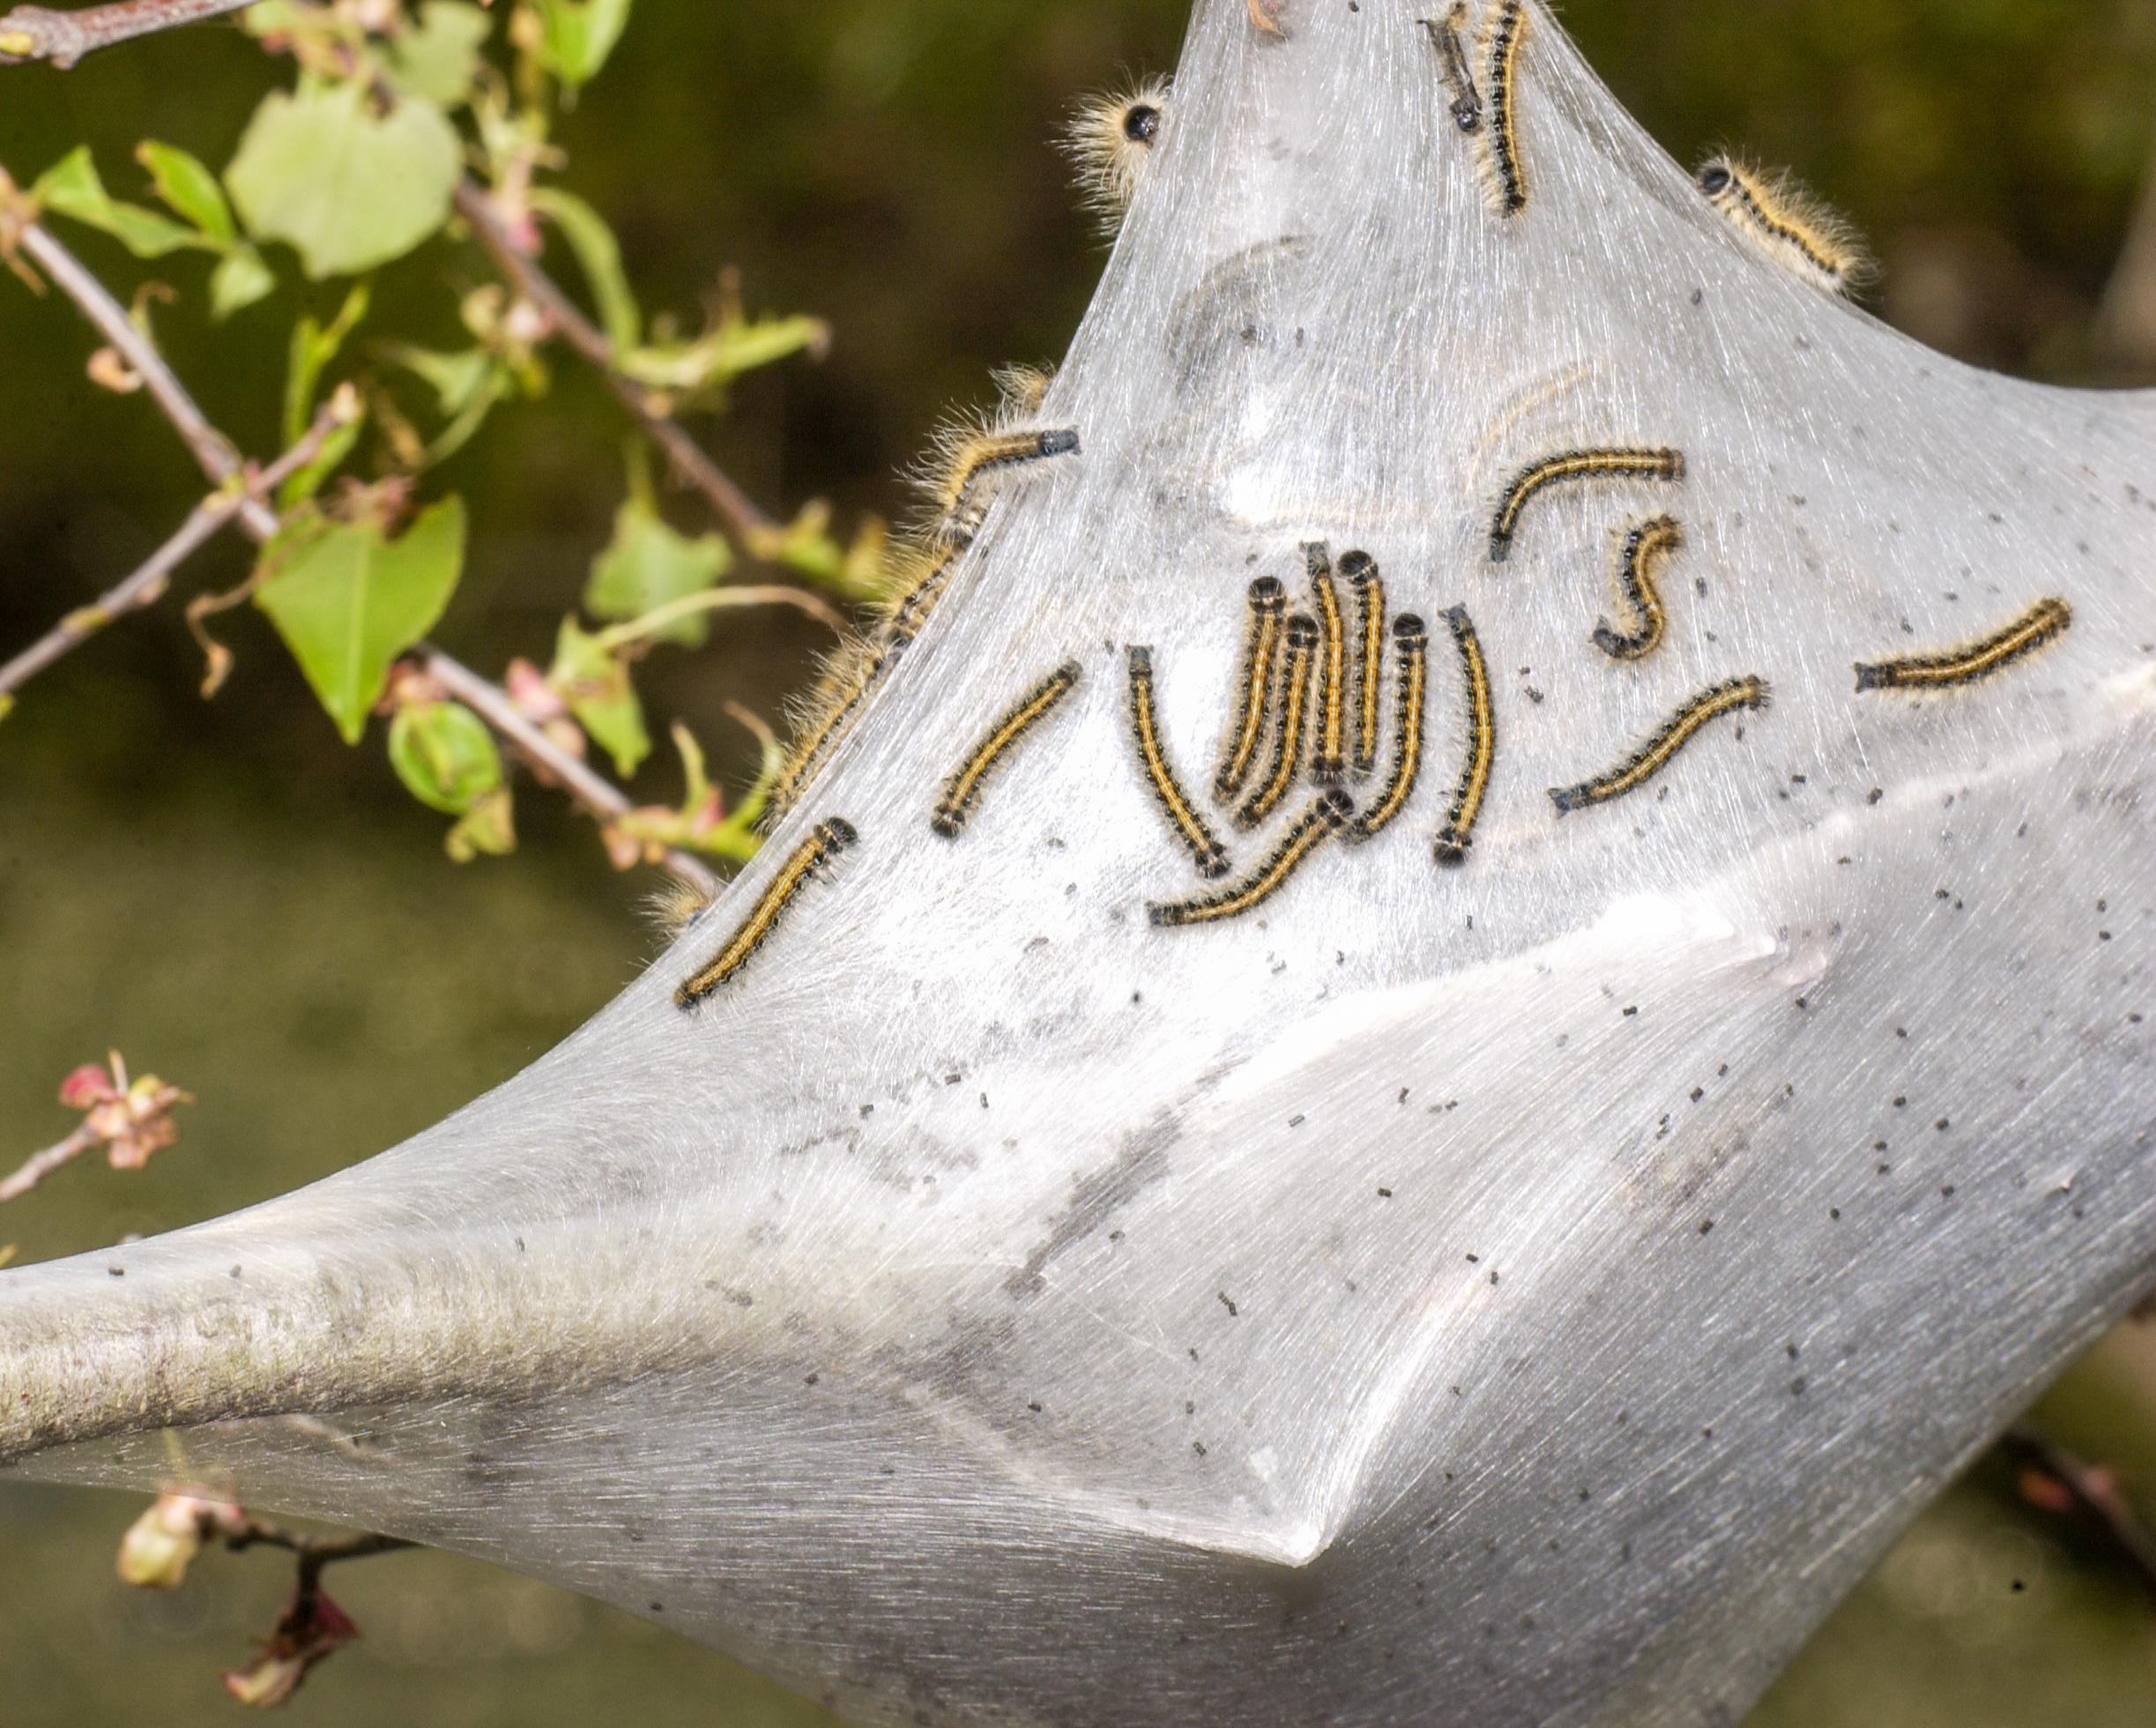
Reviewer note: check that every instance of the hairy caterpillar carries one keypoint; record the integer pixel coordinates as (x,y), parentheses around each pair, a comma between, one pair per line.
(964,787)
(825,842)
(1642,553)
(1467,106)
(1328,762)
(969,461)
(1602,462)
(1210,856)
(1504,177)
(1411,641)
(1779,218)
(1457,834)
(1657,753)
(851,673)
(1361,569)
(2041,624)
(1268,604)
(1111,140)
(1302,640)
(1325,818)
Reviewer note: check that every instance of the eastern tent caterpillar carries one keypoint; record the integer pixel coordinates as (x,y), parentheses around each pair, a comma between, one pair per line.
(1656,754)
(1328,760)
(852,674)
(1412,642)
(1504,177)
(1110,138)
(2041,624)
(1777,217)
(1600,463)
(910,610)
(825,842)
(969,461)
(964,787)
(1645,545)
(1268,604)
(1323,819)
(1210,856)
(1302,641)
(1453,64)
(1361,569)
(1457,834)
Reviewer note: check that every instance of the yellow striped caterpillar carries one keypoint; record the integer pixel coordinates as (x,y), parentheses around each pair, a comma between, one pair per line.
(2041,624)
(1268,604)
(1327,761)
(1210,856)
(1657,753)
(1361,569)
(1603,462)
(825,842)
(1325,818)
(1411,642)
(1110,138)
(1645,547)
(1302,640)
(1785,223)
(1503,176)
(961,790)
(1457,834)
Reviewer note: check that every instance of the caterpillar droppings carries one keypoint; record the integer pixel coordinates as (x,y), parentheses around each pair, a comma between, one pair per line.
(2044,622)
(1328,760)
(1326,816)
(1361,569)
(1457,834)
(1645,547)
(1603,462)
(1779,218)
(1269,605)
(1659,750)
(825,842)
(963,787)
(1444,37)
(1302,649)
(1411,642)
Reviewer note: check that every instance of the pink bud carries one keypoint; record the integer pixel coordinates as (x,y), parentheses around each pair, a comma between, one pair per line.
(311,1628)
(87,1085)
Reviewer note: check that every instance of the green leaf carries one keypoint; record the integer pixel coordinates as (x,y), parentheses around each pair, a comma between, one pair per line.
(346,187)
(457,379)
(71,187)
(240,279)
(444,755)
(488,828)
(599,256)
(712,361)
(348,602)
(576,37)
(596,686)
(311,350)
(436,60)
(647,565)
(191,190)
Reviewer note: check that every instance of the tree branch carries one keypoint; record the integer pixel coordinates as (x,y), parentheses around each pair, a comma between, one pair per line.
(36,1168)
(36,33)
(2094,1494)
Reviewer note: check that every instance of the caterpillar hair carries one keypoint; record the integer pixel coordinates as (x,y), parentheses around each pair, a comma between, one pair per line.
(1328,760)
(1111,140)
(2045,621)
(850,677)
(1210,856)
(1658,752)
(825,842)
(1457,834)
(1361,569)
(1504,177)
(1268,604)
(961,790)
(1411,641)
(1645,547)
(675,906)
(1326,817)
(1302,649)
(909,610)
(1444,37)
(1602,462)
(970,461)
(1779,218)
(1023,388)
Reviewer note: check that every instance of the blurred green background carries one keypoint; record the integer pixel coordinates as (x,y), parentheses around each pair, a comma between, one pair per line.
(239,903)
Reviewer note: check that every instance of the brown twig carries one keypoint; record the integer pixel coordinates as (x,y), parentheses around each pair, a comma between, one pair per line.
(145,585)
(314,1551)
(36,1169)
(35,32)
(734,507)
(2096,1496)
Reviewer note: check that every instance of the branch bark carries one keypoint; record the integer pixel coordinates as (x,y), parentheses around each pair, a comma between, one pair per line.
(37,33)
(40,1164)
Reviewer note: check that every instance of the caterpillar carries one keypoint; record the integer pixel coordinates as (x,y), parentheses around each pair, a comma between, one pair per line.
(961,790)
(1361,569)
(850,677)
(903,618)
(969,461)
(1504,177)
(1111,140)
(1210,856)
(1785,223)
(824,842)
(1457,834)
(2041,624)
(1467,106)
(1326,817)
(1645,548)
(1411,642)
(1268,604)
(1302,640)
(1327,761)
(1657,753)
(1602,462)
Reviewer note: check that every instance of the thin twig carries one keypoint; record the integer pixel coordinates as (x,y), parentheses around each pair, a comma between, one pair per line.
(735,508)
(34,33)
(314,1551)
(2096,1496)
(718,599)
(146,585)
(36,1169)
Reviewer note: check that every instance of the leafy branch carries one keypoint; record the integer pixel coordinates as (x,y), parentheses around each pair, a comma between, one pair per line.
(35,32)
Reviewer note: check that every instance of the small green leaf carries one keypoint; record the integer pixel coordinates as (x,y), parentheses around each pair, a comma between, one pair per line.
(576,37)
(348,602)
(444,755)
(436,61)
(346,187)
(488,829)
(596,686)
(311,350)
(599,256)
(457,379)
(191,190)
(71,187)
(240,279)
(715,359)
(647,565)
